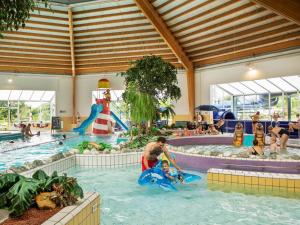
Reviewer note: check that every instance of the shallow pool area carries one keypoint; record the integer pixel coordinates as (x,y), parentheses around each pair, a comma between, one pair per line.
(124,202)
(41,148)
(231,151)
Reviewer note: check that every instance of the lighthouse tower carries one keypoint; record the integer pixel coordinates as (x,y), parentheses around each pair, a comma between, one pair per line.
(103,122)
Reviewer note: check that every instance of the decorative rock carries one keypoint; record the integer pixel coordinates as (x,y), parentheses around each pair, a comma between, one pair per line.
(215,153)
(28,165)
(57,156)
(67,154)
(44,201)
(295,157)
(37,163)
(206,152)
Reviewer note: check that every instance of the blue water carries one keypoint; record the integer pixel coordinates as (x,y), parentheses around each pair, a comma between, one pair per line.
(15,155)
(124,202)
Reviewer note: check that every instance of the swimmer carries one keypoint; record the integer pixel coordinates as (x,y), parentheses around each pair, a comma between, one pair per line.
(152,151)
(64,136)
(166,169)
(60,143)
(256,149)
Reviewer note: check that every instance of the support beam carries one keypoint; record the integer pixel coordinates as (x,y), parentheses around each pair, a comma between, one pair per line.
(289,9)
(158,23)
(150,12)
(70,14)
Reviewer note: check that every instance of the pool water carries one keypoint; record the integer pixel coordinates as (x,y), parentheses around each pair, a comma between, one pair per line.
(18,156)
(231,151)
(124,202)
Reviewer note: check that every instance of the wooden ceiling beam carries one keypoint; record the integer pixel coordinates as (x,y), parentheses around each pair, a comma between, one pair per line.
(9,49)
(161,27)
(110,28)
(207,12)
(104,9)
(278,39)
(124,49)
(289,9)
(121,44)
(283,46)
(224,31)
(100,23)
(46,36)
(122,59)
(143,31)
(216,17)
(234,38)
(164,31)
(21,44)
(119,39)
(176,7)
(34,56)
(126,54)
(44,65)
(36,40)
(35,61)
(106,15)
(190,10)
(30,69)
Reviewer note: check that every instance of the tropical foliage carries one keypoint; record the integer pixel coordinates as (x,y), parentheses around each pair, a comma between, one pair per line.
(153,76)
(142,106)
(86,145)
(167,110)
(17,192)
(14,14)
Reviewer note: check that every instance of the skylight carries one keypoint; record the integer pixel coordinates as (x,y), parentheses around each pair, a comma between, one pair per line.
(293,80)
(230,89)
(269,86)
(255,87)
(282,84)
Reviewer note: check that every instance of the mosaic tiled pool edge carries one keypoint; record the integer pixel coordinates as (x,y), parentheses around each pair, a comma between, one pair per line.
(89,161)
(85,212)
(276,184)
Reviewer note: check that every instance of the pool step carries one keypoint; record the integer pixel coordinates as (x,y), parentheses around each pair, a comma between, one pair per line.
(278,184)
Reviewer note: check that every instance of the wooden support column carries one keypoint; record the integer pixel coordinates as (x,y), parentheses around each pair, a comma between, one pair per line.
(162,28)
(289,9)
(70,14)
(190,74)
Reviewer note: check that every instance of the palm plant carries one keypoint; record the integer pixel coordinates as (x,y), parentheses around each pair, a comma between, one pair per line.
(142,106)
(167,110)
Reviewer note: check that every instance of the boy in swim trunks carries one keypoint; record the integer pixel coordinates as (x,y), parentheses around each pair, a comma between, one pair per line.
(152,151)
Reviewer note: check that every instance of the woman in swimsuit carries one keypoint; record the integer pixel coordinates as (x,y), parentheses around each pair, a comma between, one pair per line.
(281,133)
(256,149)
(255,120)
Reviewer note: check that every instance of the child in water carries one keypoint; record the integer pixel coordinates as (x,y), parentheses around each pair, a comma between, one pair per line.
(166,169)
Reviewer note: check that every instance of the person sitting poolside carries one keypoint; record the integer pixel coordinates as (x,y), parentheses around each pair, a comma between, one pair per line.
(212,130)
(256,149)
(152,151)
(282,134)
(296,125)
(219,125)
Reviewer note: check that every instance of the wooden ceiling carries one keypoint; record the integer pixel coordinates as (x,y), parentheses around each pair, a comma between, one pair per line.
(110,34)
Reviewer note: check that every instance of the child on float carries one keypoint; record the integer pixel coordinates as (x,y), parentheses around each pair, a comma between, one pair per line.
(166,169)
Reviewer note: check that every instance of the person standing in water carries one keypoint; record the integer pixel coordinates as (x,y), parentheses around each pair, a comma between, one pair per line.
(152,151)
(255,120)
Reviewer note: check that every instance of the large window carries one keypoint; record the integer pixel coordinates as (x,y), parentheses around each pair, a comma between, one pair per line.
(24,106)
(275,95)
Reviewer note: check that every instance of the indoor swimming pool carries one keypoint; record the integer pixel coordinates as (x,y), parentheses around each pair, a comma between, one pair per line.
(231,151)
(124,202)
(41,148)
